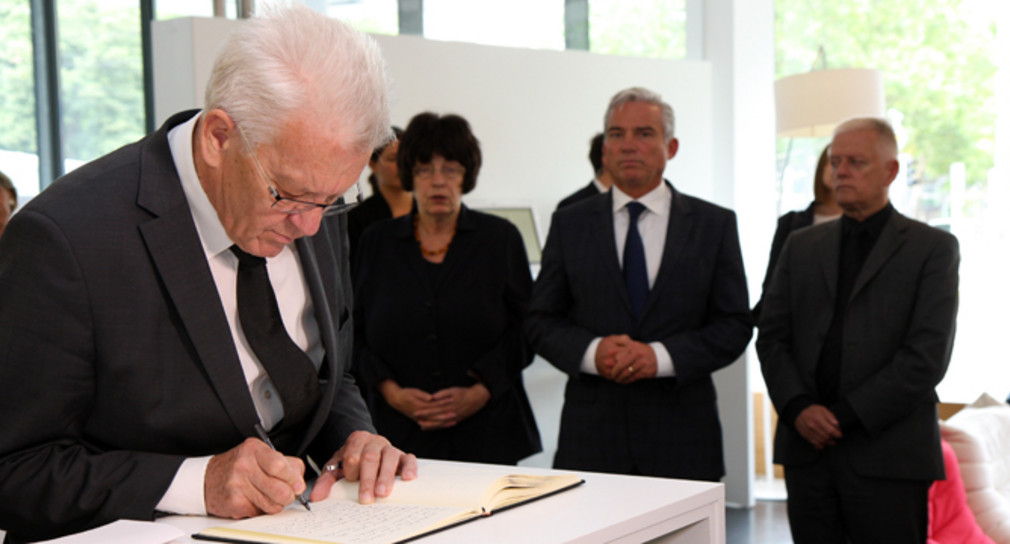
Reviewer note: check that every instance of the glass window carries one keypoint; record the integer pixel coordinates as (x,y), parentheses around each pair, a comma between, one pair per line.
(644,28)
(170,9)
(18,140)
(376,16)
(940,64)
(101,77)
(518,23)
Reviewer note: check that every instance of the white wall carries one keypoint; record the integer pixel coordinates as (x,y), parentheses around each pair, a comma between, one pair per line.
(535,111)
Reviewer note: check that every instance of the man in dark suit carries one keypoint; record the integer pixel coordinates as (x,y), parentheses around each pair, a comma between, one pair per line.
(855,334)
(640,313)
(600,183)
(132,383)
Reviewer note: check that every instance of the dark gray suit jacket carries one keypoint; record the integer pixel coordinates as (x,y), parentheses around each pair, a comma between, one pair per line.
(117,359)
(698,309)
(898,335)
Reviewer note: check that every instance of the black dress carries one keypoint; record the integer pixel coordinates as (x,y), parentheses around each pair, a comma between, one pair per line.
(434,326)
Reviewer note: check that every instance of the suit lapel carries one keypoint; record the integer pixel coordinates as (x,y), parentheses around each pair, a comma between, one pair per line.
(318,277)
(602,226)
(892,237)
(827,250)
(178,258)
(678,230)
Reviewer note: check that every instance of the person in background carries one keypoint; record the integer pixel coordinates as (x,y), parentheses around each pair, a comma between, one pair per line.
(855,334)
(8,200)
(144,350)
(601,181)
(822,209)
(641,297)
(440,297)
(388,199)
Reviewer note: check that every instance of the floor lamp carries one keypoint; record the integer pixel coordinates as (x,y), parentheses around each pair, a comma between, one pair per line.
(812,104)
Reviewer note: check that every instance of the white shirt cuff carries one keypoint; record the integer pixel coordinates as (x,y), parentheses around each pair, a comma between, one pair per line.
(185,495)
(589,357)
(664,363)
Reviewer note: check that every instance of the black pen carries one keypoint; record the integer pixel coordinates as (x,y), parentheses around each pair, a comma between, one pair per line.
(266,439)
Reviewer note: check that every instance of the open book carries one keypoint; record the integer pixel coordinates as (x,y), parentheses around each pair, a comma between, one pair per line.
(442,496)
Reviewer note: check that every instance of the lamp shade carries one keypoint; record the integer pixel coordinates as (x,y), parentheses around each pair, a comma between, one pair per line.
(810,105)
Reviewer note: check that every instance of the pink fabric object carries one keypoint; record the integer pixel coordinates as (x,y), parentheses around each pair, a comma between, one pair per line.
(980,437)
(950,519)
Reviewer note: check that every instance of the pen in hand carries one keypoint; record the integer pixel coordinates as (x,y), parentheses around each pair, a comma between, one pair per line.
(262,433)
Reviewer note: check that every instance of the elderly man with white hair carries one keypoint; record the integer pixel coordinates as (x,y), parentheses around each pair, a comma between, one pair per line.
(173,308)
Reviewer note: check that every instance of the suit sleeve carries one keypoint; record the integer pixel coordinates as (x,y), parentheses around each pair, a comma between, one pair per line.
(53,479)
(500,367)
(774,343)
(549,326)
(921,360)
(727,325)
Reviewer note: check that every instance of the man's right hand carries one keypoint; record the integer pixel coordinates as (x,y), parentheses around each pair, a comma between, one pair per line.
(251,479)
(819,426)
(606,353)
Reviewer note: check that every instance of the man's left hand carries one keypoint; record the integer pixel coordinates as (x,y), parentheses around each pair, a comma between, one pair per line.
(636,361)
(370,460)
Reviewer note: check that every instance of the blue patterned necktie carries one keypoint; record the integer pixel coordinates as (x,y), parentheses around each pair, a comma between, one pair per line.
(636,276)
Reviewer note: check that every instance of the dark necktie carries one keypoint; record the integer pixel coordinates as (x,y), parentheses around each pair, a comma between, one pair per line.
(636,276)
(289,368)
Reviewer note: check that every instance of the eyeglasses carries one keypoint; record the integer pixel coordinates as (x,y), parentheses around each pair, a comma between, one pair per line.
(448,171)
(293,206)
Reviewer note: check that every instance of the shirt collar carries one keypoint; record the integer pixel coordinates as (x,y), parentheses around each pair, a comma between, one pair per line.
(657,200)
(208,226)
(873,224)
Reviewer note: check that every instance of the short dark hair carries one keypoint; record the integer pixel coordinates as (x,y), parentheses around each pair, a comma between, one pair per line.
(6,183)
(822,194)
(397,132)
(596,153)
(429,134)
(377,152)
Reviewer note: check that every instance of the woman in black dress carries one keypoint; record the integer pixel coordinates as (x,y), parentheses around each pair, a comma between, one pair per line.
(440,296)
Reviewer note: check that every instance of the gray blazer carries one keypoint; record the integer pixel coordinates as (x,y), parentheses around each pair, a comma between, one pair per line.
(898,335)
(117,359)
(698,309)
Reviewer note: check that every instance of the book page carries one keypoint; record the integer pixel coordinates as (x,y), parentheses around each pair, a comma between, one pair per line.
(463,487)
(338,521)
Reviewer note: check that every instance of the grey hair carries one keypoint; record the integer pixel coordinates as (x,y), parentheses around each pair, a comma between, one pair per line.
(293,60)
(641,94)
(883,129)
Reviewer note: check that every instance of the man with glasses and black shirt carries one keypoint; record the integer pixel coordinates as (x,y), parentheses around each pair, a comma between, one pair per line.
(165,306)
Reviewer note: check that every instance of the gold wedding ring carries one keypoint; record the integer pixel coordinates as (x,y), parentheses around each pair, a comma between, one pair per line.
(631,369)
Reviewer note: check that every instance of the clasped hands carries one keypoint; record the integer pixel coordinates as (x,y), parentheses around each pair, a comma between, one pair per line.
(438,410)
(252,479)
(623,360)
(818,426)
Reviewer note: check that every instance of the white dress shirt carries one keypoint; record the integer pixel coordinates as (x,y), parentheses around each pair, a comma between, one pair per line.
(652,226)
(185,495)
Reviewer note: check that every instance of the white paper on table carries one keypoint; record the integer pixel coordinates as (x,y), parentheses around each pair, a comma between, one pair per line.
(124,531)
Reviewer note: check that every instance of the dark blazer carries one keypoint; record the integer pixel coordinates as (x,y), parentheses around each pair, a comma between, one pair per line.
(581,194)
(898,335)
(437,334)
(118,362)
(373,209)
(698,309)
(789,222)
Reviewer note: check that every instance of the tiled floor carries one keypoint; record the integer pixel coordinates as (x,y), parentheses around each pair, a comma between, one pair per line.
(766,523)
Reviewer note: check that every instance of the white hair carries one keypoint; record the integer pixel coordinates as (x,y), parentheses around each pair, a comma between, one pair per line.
(885,133)
(294,61)
(641,94)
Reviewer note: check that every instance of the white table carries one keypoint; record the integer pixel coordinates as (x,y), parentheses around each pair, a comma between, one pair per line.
(607,508)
